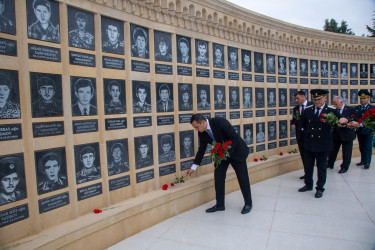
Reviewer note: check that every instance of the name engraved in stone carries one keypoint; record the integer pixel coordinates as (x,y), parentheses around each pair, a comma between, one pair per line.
(8,47)
(89,191)
(44,53)
(113,63)
(186,165)
(116,123)
(260,113)
(166,170)
(271,112)
(247,77)
(259,78)
(144,121)
(271,78)
(272,145)
(53,202)
(283,111)
(344,82)
(85,126)
(118,183)
(221,114)
(353,82)
(363,82)
(247,114)
(334,82)
(219,74)
(314,81)
(206,160)
(260,148)
(81,59)
(233,76)
(163,69)
(140,66)
(251,150)
(13,215)
(202,72)
(283,143)
(184,71)
(10,132)
(145,175)
(48,129)
(282,79)
(293,141)
(166,120)
(303,80)
(293,80)
(185,118)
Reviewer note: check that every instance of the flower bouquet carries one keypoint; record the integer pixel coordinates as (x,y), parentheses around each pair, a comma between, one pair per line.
(330,118)
(368,119)
(297,115)
(220,151)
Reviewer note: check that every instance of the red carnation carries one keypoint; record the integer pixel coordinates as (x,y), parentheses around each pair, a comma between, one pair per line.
(229,142)
(97,211)
(360,121)
(321,120)
(220,150)
(290,152)
(221,155)
(321,115)
(172,184)
(165,186)
(218,145)
(213,151)
(281,153)
(256,159)
(225,146)
(261,159)
(353,115)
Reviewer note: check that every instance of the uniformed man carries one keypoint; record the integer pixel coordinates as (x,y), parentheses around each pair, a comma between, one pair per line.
(79,37)
(89,170)
(118,163)
(140,42)
(364,135)
(317,140)
(46,105)
(6,25)
(163,53)
(233,62)
(10,177)
(166,145)
(141,105)
(49,168)
(113,44)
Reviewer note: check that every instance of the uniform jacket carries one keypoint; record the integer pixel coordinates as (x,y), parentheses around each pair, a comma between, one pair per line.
(346,134)
(296,122)
(360,112)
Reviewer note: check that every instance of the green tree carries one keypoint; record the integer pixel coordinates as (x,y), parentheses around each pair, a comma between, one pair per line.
(371,30)
(333,26)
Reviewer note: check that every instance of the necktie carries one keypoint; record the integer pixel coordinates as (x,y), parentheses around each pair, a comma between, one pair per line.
(317,112)
(85,111)
(165,108)
(302,109)
(209,131)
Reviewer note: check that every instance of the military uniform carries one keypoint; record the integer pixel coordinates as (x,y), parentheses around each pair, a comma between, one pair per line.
(88,174)
(41,108)
(51,34)
(117,167)
(117,48)
(81,39)
(138,107)
(167,157)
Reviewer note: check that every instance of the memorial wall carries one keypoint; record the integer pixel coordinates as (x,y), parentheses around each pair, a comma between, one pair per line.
(96,95)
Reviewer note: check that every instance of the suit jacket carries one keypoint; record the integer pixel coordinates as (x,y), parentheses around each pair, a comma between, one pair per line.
(299,132)
(223,131)
(360,112)
(346,134)
(317,134)
(160,108)
(76,111)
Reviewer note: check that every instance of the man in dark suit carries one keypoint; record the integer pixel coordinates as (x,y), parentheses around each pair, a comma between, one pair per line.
(298,110)
(164,104)
(222,131)
(364,134)
(317,140)
(342,136)
(84,91)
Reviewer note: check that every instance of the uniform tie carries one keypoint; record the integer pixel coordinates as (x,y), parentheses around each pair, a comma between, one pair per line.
(317,112)
(85,111)
(209,131)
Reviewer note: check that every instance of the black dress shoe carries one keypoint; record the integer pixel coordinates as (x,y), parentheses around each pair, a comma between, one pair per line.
(366,166)
(302,177)
(343,170)
(360,164)
(318,194)
(305,188)
(246,209)
(214,209)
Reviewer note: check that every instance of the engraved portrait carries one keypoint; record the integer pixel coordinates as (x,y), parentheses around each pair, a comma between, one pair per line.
(83,95)
(112,36)
(81,29)
(144,156)
(117,156)
(139,41)
(114,96)
(87,162)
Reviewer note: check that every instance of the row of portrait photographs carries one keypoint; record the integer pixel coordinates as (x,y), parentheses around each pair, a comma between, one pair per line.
(43,24)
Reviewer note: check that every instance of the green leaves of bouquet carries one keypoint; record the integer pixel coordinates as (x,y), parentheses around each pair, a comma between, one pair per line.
(329,118)
(220,151)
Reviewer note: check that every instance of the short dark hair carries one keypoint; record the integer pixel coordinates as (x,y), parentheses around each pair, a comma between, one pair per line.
(50,156)
(300,92)
(44,3)
(80,15)
(113,83)
(83,83)
(46,81)
(164,87)
(198,118)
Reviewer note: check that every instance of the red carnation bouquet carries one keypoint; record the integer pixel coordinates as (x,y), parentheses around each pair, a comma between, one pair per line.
(220,151)
(368,119)
(330,118)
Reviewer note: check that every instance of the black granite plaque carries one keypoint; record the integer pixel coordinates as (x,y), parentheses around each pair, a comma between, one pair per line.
(8,47)
(89,191)
(81,59)
(140,66)
(219,74)
(186,165)
(113,63)
(271,78)
(314,81)
(85,126)
(13,215)
(44,53)
(145,175)
(206,160)
(259,78)
(235,115)
(251,150)
(353,82)
(283,111)
(53,202)
(247,114)
(324,81)
(293,80)
(144,121)
(166,170)
(363,82)
(221,114)
(304,81)
(48,129)
(334,82)
(118,183)
(202,72)
(372,82)
(10,132)
(272,145)
(344,82)
(247,77)
(271,112)
(233,76)
(207,115)
(260,148)
(163,69)
(184,71)
(260,113)
(283,143)
(291,111)
(165,120)
(293,141)
(116,123)
(282,79)
(185,118)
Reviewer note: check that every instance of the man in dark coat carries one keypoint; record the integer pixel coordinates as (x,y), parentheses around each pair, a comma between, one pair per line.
(342,136)
(222,131)
(317,140)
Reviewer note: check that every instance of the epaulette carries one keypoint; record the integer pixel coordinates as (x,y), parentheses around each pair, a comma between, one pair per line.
(331,107)
(309,106)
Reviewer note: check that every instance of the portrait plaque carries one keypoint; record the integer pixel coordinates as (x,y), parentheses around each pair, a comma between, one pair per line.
(141,97)
(293,69)
(117,157)
(203,100)
(271,97)
(139,41)
(282,80)
(119,182)
(247,101)
(363,67)
(162,46)
(304,68)
(259,78)
(166,170)
(184,165)
(53,202)
(270,64)
(246,60)
(281,65)
(219,97)
(292,101)
(8,47)
(353,96)
(112,35)
(166,148)
(334,69)
(233,76)
(115,123)
(13,215)
(143,148)
(89,191)
(201,53)
(314,69)
(334,92)
(272,131)
(218,56)
(259,96)
(202,73)
(283,129)
(113,63)
(247,77)
(183,49)
(232,58)
(344,70)
(51,174)
(87,163)
(186,144)
(260,136)
(258,65)
(10,132)
(144,176)
(218,74)
(260,148)
(11,96)
(140,66)
(248,134)
(114,96)
(163,69)
(44,53)
(8,18)
(164,97)
(354,70)
(372,98)
(324,69)
(142,121)
(86,126)
(234,97)
(81,29)
(83,96)
(283,97)
(50,16)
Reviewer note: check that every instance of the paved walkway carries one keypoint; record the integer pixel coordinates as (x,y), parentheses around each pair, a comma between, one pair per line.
(281,218)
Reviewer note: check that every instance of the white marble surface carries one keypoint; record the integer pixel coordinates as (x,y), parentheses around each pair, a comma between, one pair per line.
(281,218)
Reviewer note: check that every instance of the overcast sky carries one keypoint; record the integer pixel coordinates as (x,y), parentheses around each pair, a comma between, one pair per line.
(312,13)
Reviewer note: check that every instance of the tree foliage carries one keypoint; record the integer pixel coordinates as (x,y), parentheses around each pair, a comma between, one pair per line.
(333,26)
(371,30)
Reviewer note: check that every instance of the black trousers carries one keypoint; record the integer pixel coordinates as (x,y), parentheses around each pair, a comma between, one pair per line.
(321,164)
(301,151)
(242,176)
(365,146)
(347,148)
